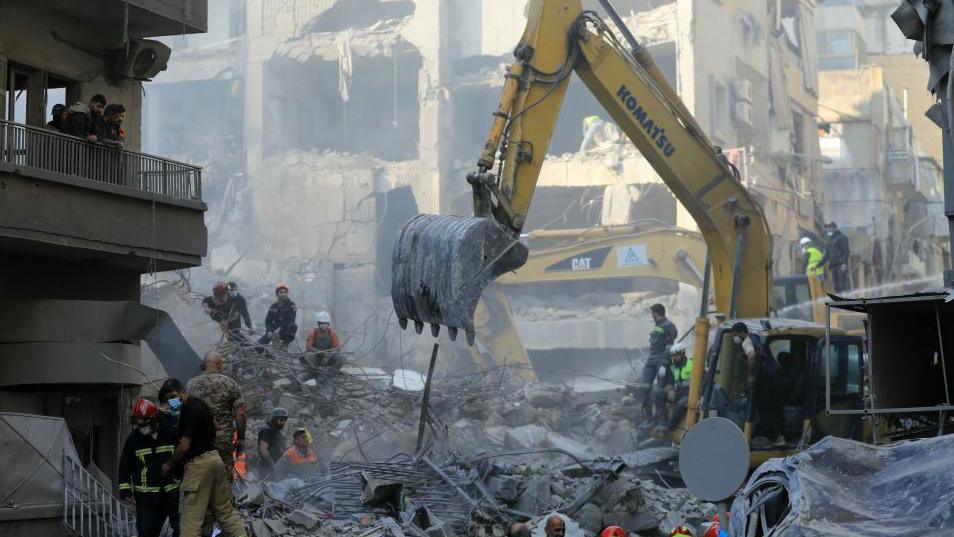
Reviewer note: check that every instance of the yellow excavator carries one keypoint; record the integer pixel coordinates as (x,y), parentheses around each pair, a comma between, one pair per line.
(442,263)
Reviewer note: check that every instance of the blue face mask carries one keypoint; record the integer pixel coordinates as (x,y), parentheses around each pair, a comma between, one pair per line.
(175,403)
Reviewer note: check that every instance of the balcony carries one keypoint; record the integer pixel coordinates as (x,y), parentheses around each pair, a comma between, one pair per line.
(64,197)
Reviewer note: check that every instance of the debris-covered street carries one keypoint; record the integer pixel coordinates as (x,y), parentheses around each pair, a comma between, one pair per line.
(476,268)
(495,450)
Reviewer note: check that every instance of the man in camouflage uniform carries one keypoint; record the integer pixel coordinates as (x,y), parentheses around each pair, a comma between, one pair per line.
(224,398)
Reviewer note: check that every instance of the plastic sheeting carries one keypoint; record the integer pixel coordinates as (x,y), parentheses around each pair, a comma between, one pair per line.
(841,488)
(31,456)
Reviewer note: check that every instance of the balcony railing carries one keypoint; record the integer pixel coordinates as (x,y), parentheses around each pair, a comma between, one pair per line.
(89,509)
(51,151)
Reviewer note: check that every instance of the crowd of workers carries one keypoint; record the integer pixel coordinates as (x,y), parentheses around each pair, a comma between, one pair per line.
(227,307)
(835,258)
(96,122)
(178,462)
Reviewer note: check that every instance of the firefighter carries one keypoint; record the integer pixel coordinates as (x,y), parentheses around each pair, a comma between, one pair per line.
(141,480)
(813,258)
(280,321)
(299,460)
(675,392)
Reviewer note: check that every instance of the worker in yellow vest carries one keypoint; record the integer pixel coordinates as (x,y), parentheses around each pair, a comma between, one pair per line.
(813,257)
(672,399)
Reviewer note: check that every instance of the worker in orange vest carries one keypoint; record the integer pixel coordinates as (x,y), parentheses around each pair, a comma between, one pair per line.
(299,460)
(239,459)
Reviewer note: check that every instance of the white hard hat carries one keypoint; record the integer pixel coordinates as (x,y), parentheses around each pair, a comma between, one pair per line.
(804,241)
(323,317)
(677,348)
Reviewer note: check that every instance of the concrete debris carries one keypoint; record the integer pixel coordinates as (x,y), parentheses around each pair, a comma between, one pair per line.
(496,450)
(299,518)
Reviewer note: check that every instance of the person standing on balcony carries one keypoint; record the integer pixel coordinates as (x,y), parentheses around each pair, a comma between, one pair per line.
(58,119)
(112,134)
(84,121)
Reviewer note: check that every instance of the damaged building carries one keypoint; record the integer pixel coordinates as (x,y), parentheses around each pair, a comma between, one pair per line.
(387,112)
(80,223)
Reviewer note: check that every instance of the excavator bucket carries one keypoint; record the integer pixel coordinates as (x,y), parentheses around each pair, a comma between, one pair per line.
(441,265)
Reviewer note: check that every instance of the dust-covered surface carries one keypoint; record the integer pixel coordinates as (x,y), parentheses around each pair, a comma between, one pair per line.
(494,450)
(842,488)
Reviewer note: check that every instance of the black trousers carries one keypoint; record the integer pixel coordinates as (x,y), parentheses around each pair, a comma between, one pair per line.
(839,278)
(150,516)
(286,335)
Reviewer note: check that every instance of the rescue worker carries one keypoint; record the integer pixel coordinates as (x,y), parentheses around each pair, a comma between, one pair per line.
(323,340)
(224,397)
(271,441)
(613,531)
(518,529)
(592,132)
(662,335)
(223,309)
(299,460)
(676,392)
(762,375)
(241,305)
(205,482)
(170,402)
(141,480)
(813,258)
(555,526)
(683,530)
(280,321)
(836,256)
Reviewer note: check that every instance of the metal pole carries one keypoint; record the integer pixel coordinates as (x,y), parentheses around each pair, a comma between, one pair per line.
(425,397)
(741,222)
(948,162)
(618,21)
(940,342)
(827,358)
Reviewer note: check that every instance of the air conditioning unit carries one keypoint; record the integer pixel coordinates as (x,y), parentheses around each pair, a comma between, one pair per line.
(743,90)
(145,59)
(743,113)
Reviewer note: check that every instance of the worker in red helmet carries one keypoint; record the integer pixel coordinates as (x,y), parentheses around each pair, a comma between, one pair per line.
(141,480)
(280,321)
(683,530)
(613,531)
(223,309)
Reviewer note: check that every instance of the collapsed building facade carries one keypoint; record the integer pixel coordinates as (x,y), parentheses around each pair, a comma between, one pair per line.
(391,103)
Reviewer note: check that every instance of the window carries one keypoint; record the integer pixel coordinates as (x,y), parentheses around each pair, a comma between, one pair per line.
(236,18)
(839,49)
(721,119)
(845,370)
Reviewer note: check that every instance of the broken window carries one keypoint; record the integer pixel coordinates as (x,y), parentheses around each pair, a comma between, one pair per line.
(839,49)
(375,112)
(720,120)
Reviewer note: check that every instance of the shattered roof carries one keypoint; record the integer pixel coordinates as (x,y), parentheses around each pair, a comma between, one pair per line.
(380,40)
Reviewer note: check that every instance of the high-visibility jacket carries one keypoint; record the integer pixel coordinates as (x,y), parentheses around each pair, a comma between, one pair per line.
(814,265)
(682,374)
(588,121)
(295,456)
(140,465)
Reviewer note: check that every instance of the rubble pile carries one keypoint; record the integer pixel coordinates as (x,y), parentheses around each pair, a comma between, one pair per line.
(496,450)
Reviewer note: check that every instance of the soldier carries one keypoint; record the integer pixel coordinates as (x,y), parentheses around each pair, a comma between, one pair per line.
(224,398)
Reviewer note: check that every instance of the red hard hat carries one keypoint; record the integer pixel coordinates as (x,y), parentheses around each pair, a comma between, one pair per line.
(281,285)
(613,531)
(144,409)
(219,288)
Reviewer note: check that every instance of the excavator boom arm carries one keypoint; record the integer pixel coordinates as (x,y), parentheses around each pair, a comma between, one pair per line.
(442,263)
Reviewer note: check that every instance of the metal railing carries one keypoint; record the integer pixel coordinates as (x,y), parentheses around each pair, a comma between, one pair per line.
(89,509)
(44,149)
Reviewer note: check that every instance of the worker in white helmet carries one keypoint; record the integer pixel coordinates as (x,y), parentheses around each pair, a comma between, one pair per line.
(323,340)
(813,258)
(672,399)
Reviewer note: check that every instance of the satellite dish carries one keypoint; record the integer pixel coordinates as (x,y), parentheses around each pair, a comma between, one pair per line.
(714,459)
